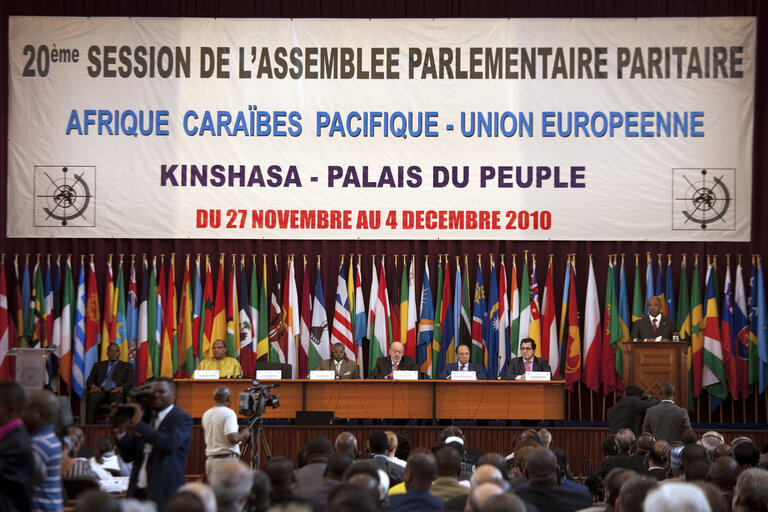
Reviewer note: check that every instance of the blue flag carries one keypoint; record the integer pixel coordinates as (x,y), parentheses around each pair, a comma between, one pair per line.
(649,292)
(492,339)
(426,323)
(669,294)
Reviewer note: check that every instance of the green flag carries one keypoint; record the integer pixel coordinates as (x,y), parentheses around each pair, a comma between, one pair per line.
(437,333)
(637,296)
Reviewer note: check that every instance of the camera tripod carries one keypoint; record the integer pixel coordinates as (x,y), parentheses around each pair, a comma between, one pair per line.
(257,441)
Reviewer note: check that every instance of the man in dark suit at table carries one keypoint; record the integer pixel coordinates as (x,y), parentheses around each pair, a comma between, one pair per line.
(108,382)
(654,326)
(463,364)
(343,367)
(518,366)
(158,446)
(393,362)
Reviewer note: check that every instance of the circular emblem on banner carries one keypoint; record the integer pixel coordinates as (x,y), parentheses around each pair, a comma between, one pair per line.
(703,199)
(64,196)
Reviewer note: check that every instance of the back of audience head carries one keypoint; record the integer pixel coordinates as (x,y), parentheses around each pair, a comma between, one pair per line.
(448,462)
(504,502)
(280,473)
(667,391)
(420,471)
(41,410)
(609,446)
(231,482)
(633,493)
(377,442)
(183,501)
(522,455)
(546,437)
(259,496)
(696,471)
(613,482)
(625,439)
(204,492)
(751,491)
(714,496)
(95,500)
(347,497)
(691,453)
(403,446)
(723,450)
(541,466)
(451,431)
(674,452)
(12,401)
(318,448)
(480,495)
(563,467)
(102,445)
(645,443)
(391,443)
(368,477)
(494,459)
(746,454)
(711,440)
(483,474)
(659,454)
(346,442)
(723,472)
(676,497)
(337,465)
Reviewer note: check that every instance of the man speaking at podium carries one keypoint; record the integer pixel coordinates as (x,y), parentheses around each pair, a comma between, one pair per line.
(229,367)
(654,326)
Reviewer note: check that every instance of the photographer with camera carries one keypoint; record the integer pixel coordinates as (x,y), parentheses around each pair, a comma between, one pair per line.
(159,443)
(222,435)
(109,382)
(629,411)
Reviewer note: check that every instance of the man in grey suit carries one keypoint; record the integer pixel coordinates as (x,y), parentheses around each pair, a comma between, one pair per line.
(344,368)
(654,326)
(667,421)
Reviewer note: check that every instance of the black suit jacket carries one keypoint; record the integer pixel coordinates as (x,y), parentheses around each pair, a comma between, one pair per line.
(643,328)
(667,421)
(122,375)
(480,372)
(384,366)
(16,471)
(165,466)
(516,366)
(555,498)
(628,413)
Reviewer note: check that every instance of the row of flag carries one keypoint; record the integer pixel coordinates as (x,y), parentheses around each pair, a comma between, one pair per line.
(165,329)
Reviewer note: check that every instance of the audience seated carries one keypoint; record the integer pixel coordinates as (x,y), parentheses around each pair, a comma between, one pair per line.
(676,497)
(318,449)
(634,491)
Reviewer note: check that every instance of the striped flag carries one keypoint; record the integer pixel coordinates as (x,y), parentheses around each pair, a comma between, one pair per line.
(373,297)
(351,296)
(623,316)
(27,329)
(186,329)
(669,293)
(410,331)
(592,334)
(197,312)
(564,317)
(437,333)
(206,313)
(37,306)
(550,347)
(78,345)
(306,323)
(245,328)
(155,350)
(276,327)
(219,327)
(233,315)
(493,331)
(728,337)
(503,355)
(320,344)
(741,334)
(713,371)
(119,310)
(659,289)
(534,331)
(48,301)
(464,331)
(5,373)
(262,347)
(169,361)
(249,357)
(132,314)
(448,333)
(525,305)
(342,324)
(360,319)
(410,350)
(572,361)
(479,312)
(142,347)
(91,322)
(649,291)
(762,333)
(108,319)
(753,357)
(426,323)
(611,334)
(697,331)
(291,319)
(67,323)
(379,321)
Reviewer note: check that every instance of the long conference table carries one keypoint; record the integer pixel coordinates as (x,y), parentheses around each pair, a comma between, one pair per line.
(388,399)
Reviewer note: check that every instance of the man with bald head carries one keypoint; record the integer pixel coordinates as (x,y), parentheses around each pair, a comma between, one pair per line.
(346,442)
(39,417)
(543,491)
(393,362)
(222,434)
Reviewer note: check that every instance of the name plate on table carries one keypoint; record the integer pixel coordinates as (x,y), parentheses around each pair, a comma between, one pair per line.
(405,375)
(322,375)
(269,374)
(206,375)
(538,376)
(464,375)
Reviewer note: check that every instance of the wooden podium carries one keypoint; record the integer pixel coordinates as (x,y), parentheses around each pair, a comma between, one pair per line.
(650,364)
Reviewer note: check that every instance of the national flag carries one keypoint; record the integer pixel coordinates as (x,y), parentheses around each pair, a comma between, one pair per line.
(713,371)
(697,331)
(728,337)
(535,330)
(592,334)
(360,319)
(206,313)
(403,310)
(249,357)
(108,318)
(219,327)
(263,345)
(342,324)
(17,313)
(754,327)
(525,306)
(503,356)
(5,373)
(609,373)
(78,344)
(649,291)
(156,350)
(448,343)
(394,317)
(169,361)
(306,322)
(550,348)
(37,305)
(638,307)
(740,350)
(142,347)
(276,327)
(572,361)
(197,311)
(132,314)
(372,296)
(493,330)
(669,293)
(91,350)
(479,312)
(27,329)
(437,333)
(291,319)
(563,337)
(379,320)
(457,307)
(623,309)
(762,333)
(684,314)
(120,327)
(67,322)
(351,296)
(186,329)
(426,323)
(464,332)
(410,331)
(48,301)
(233,315)
(319,343)
(245,332)
(659,289)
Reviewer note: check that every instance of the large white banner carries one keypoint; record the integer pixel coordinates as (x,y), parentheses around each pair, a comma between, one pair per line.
(530,129)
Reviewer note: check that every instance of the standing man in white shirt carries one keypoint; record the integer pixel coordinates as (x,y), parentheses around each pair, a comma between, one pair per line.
(222,433)
(654,326)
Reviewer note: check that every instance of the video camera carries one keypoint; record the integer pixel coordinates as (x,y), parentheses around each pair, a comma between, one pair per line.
(141,395)
(253,401)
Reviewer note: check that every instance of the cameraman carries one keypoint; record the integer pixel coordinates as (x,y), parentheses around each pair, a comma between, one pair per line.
(158,445)
(222,435)
(629,411)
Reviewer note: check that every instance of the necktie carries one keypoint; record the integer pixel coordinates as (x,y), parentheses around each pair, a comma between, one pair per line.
(528,365)
(338,368)
(108,383)
(655,326)
(463,367)
(394,366)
